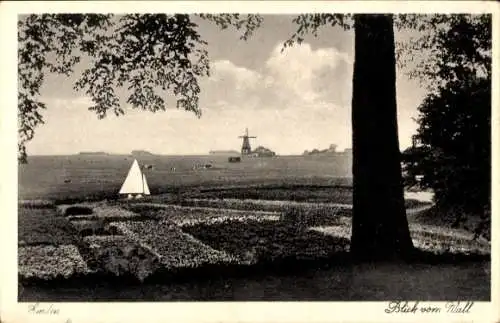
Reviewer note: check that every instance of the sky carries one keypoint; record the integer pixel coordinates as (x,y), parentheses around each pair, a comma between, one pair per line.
(292,101)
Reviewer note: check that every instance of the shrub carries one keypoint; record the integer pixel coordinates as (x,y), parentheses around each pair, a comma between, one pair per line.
(91,227)
(69,210)
(122,256)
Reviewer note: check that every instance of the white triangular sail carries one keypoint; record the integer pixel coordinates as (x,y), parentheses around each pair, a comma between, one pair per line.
(145,185)
(133,183)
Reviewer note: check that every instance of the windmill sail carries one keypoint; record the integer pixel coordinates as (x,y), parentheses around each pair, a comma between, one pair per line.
(145,185)
(134,183)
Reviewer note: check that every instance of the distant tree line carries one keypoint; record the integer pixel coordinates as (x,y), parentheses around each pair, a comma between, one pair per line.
(332,149)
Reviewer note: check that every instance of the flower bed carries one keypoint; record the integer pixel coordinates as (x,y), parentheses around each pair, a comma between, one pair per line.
(254,241)
(342,229)
(107,213)
(434,239)
(122,256)
(440,240)
(415,204)
(299,193)
(434,230)
(43,226)
(182,216)
(175,248)
(341,194)
(50,262)
(299,212)
(262,205)
(223,218)
(36,204)
(445,246)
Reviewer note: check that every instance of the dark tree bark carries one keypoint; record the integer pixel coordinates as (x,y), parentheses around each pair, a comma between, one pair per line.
(380,227)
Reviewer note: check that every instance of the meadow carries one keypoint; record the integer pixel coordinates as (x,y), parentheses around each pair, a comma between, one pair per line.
(263,229)
(96,177)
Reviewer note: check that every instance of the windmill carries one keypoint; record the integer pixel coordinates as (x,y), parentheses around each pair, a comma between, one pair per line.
(246,149)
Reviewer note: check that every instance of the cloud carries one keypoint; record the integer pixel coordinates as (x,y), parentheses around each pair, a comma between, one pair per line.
(230,87)
(298,77)
(304,72)
(241,77)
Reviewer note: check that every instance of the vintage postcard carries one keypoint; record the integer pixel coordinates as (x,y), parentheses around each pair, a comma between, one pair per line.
(219,161)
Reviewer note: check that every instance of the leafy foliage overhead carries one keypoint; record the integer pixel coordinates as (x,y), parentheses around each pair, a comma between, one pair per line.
(149,56)
(41,37)
(449,48)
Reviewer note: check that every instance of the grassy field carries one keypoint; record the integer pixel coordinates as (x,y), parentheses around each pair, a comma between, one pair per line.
(87,177)
(233,232)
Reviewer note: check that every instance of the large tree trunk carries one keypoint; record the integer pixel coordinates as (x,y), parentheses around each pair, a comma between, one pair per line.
(379,224)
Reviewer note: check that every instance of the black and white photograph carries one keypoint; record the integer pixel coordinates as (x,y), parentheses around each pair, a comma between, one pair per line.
(191,155)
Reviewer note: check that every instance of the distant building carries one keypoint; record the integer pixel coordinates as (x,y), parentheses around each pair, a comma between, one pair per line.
(223,152)
(141,153)
(94,153)
(262,152)
(415,141)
